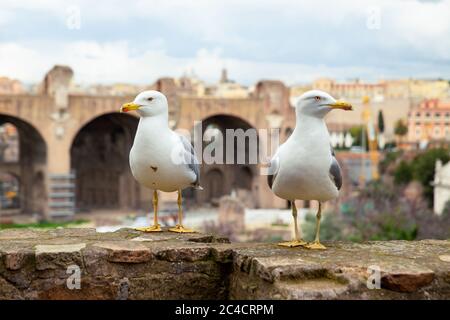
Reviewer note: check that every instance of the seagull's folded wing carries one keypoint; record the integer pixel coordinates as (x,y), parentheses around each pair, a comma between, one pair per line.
(335,171)
(190,159)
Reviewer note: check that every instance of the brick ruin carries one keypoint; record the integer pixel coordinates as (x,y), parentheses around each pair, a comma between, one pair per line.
(74,147)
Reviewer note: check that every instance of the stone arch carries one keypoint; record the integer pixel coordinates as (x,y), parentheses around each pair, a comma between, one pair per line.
(233,115)
(85,121)
(24,120)
(32,159)
(214,185)
(9,191)
(231,176)
(244,178)
(99,158)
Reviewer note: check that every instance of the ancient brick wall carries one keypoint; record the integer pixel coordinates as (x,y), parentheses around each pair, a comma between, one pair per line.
(130,265)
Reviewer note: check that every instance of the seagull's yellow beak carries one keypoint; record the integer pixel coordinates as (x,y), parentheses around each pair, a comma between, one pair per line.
(341,105)
(130,106)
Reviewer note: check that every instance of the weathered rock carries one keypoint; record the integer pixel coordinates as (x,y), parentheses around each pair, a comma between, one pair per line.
(8,291)
(190,254)
(126,251)
(406,282)
(15,259)
(58,255)
(131,265)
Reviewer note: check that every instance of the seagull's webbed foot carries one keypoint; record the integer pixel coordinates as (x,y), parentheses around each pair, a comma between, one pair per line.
(293,243)
(180,229)
(315,245)
(154,228)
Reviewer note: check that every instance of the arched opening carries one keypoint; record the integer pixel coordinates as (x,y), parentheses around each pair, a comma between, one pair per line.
(99,158)
(244,179)
(232,159)
(214,185)
(23,157)
(9,191)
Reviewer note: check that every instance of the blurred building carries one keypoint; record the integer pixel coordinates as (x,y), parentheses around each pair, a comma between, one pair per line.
(9,143)
(298,90)
(74,144)
(10,86)
(429,121)
(224,88)
(187,85)
(350,90)
(117,89)
(385,89)
(441,186)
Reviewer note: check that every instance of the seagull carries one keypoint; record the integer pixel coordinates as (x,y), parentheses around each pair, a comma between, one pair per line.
(161,159)
(305,167)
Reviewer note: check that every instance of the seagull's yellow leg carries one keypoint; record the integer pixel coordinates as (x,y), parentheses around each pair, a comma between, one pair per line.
(316,243)
(179,227)
(298,241)
(155,227)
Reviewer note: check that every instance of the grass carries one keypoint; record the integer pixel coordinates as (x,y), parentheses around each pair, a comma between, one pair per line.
(279,224)
(42,225)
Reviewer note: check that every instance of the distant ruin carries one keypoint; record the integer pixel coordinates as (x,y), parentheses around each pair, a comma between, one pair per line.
(66,140)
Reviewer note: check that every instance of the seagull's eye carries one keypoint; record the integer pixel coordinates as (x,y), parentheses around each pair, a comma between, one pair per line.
(317,98)
(150,99)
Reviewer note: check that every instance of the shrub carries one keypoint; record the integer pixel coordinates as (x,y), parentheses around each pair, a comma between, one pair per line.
(403,174)
(423,167)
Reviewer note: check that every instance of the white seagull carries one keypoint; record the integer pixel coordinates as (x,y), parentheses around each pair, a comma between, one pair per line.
(160,158)
(304,167)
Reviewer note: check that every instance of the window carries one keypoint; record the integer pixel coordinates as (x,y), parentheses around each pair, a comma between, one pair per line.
(437,115)
(418,132)
(418,114)
(437,132)
(427,114)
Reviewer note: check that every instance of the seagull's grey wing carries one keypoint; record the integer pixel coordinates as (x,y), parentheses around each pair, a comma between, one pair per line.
(335,171)
(273,170)
(190,159)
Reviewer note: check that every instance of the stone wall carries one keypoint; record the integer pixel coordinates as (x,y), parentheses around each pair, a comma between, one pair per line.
(130,265)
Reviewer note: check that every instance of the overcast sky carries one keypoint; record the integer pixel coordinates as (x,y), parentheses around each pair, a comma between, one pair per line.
(294,41)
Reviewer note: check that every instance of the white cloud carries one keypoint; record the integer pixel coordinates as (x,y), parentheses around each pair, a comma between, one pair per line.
(113,62)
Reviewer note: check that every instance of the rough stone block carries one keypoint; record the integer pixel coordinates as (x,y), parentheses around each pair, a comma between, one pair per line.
(131,265)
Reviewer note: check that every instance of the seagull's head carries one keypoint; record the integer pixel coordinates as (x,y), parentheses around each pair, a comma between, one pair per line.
(317,103)
(147,104)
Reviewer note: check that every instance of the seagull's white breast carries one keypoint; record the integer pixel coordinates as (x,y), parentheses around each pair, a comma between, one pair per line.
(151,158)
(304,165)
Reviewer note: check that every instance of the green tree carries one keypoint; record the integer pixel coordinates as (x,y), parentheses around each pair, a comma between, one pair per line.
(423,167)
(378,213)
(389,158)
(380,121)
(356,133)
(400,129)
(403,174)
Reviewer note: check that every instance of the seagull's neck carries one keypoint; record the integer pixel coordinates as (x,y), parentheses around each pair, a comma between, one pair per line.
(156,123)
(307,126)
